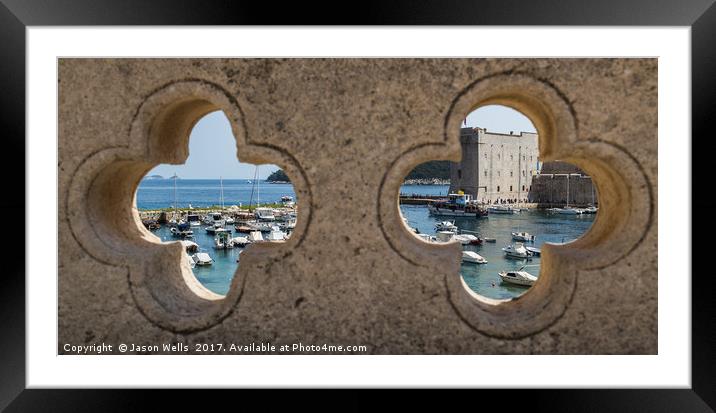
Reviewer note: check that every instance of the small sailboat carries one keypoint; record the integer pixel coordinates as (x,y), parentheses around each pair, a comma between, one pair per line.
(473,257)
(567,210)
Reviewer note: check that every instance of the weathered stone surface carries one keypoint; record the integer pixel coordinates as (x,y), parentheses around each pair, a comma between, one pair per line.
(352,274)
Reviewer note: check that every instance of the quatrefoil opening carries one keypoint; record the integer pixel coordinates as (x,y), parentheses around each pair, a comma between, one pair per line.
(104,220)
(625,196)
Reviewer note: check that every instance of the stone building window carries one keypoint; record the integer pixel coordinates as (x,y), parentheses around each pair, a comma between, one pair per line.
(485,172)
(510,188)
(510,174)
(498,188)
(459,174)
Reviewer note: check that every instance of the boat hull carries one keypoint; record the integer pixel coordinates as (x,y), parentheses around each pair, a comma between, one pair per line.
(516,281)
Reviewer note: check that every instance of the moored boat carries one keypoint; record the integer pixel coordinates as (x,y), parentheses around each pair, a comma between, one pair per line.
(523,236)
(534,251)
(446,226)
(202,258)
(522,278)
(517,250)
(502,209)
(457,205)
(473,257)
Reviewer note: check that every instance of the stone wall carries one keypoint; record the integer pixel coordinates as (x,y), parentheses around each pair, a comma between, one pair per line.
(551,187)
(353,273)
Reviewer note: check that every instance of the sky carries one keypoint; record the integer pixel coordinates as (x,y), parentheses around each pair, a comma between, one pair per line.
(212,148)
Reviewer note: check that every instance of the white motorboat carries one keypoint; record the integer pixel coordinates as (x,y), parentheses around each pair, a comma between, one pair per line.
(202,258)
(229,221)
(216,229)
(444,236)
(265,214)
(240,241)
(457,205)
(502,209)
(182,231)
(260,226)
(189,246)
(427,237)
(446,226)
(276,235)
(517,250)
(473,257)
(534,251)
(193,220)
(568,211)
(467,239)
(590,210)
(489,239)
(223,241)
(190,260)
(255,236)
(519,277)
(523,236)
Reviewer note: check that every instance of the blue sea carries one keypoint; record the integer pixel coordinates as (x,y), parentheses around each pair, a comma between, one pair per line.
(159,193)
(483,278)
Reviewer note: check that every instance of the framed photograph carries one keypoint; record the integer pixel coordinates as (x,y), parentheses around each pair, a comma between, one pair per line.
(473,204)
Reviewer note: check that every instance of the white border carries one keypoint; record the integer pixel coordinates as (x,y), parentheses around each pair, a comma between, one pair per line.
(671,368)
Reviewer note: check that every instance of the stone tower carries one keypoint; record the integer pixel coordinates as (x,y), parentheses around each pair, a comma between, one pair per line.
(495,167)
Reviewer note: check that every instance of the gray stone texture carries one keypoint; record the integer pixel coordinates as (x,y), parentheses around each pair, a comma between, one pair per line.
(347,131)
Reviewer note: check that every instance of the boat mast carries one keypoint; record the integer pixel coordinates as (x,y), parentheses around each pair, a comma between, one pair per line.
(258,188)
(221,182)
(567,191)
(175,194)
(253,185)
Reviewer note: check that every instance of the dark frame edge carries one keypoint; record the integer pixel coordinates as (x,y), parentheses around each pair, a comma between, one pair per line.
(703,114)
(702,396)
(12,124)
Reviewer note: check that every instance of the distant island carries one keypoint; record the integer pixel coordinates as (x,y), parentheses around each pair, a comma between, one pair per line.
(278,176)
(154,177)
(430,170)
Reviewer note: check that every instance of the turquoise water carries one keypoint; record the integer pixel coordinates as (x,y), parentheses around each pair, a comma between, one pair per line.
(216,277)
(482,278)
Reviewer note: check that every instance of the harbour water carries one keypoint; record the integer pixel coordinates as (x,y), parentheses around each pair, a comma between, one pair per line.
(159,193)
(481,278)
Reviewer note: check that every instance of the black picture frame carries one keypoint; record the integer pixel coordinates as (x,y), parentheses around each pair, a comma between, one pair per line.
(700,15)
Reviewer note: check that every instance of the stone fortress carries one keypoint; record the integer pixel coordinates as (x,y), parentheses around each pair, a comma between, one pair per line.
(505,168)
